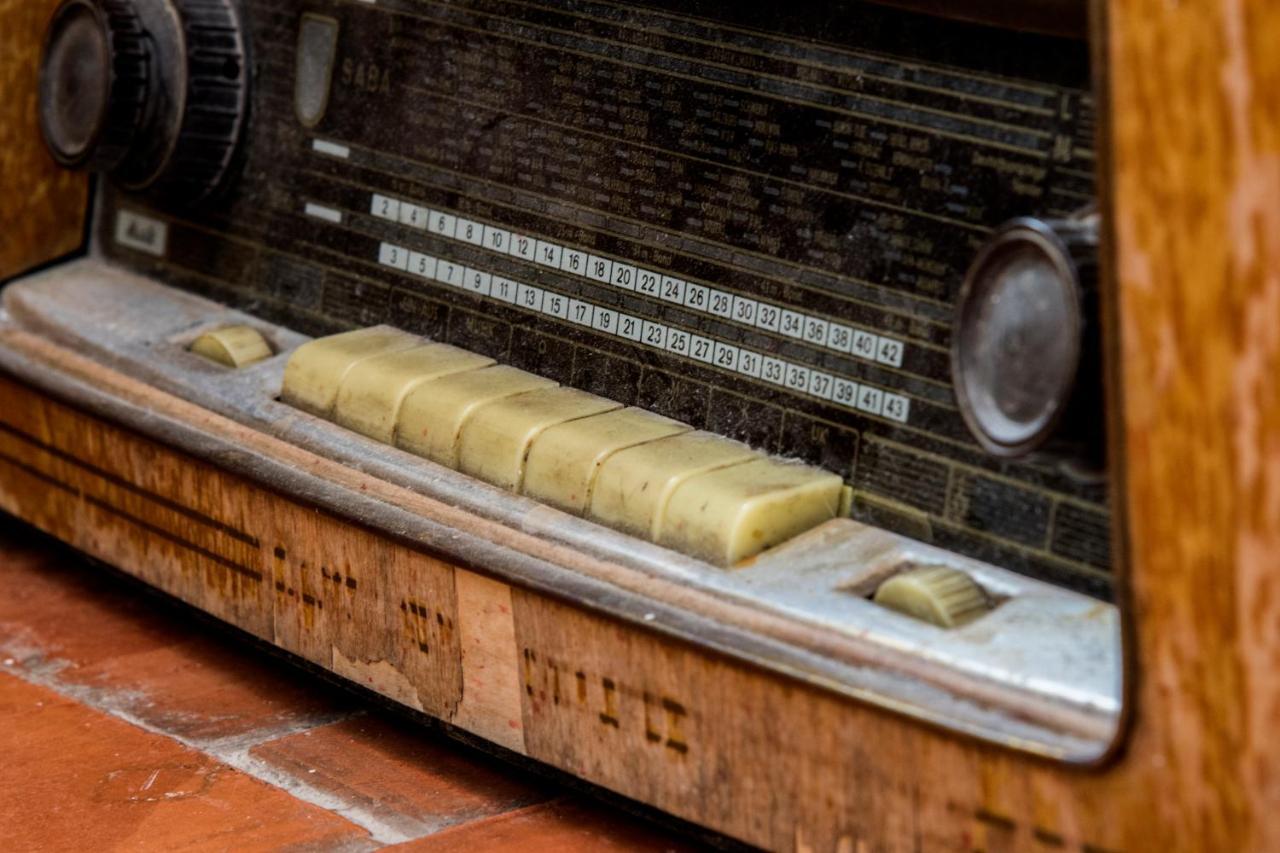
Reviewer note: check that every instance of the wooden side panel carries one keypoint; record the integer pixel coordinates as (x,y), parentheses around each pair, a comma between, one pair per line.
(119,499)
(332,583)
(286,573)
(1196,129)
(781,765)
(42,206)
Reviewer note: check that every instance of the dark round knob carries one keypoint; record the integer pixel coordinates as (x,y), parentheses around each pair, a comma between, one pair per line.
(1025,352)
(151,92)
(216,74)
(93,82)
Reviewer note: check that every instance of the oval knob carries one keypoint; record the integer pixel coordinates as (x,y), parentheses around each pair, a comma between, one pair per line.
(1025,350)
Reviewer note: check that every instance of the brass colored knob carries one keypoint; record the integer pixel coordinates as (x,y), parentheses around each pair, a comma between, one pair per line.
(938,595)
(233,346)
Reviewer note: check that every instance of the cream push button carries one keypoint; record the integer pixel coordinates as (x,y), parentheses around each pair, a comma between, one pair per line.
(433,413)
(630,469)
(939,595)
(233,346)
(733,513)
(495,440)
(564,459)
(373,390)
(633,485)
(316,369)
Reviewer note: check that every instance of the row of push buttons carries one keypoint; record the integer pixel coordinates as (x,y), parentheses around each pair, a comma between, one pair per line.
(631,469)
(692,491)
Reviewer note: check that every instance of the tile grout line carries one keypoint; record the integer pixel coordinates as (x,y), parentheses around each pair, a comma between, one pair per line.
(29,664)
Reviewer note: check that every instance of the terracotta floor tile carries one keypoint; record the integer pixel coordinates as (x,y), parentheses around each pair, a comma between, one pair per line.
(65,607)
(551,828)
(183,677)
(414,780)
(74,778)
(204,691)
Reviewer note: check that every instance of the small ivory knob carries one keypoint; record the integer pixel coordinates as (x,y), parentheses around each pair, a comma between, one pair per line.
(233,346)
(938,595)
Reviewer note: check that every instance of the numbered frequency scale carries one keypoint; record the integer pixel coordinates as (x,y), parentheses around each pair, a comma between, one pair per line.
(753,221)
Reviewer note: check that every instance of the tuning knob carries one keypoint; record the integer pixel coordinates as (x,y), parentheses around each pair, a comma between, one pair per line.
(1025,349)
(151,92)
(94,83)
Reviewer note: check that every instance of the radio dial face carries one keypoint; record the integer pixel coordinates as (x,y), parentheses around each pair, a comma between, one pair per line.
(150,92)
(754,223)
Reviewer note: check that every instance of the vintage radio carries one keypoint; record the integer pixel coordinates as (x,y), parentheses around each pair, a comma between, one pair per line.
(843,426)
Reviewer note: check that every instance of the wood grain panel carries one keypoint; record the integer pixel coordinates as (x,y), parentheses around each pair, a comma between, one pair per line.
(303,580)
(42,206)
(332,583)
(1196,134)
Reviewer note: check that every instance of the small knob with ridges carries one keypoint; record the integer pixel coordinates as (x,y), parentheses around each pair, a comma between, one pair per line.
(939,595)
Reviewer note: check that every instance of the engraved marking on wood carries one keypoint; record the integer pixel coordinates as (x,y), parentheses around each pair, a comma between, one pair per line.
(611,701)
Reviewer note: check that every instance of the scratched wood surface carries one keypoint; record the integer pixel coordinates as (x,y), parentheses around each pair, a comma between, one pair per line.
(42,206)
(1196,131)
(1195,201)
